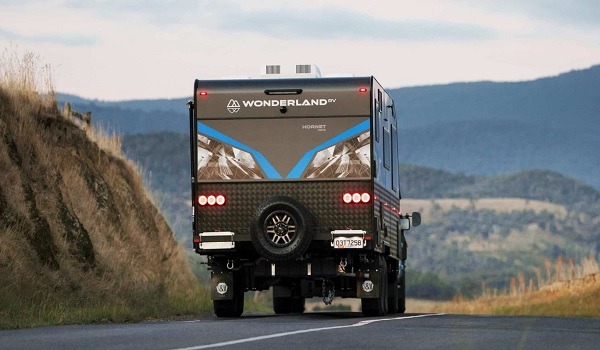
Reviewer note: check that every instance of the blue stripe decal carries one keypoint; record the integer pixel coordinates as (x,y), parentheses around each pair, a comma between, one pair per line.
(296,172)
(262,161)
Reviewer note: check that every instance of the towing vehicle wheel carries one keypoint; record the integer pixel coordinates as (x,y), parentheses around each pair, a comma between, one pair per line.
(282,229)
(378,306)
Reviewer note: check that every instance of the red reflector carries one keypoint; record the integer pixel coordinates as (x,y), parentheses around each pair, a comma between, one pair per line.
(368,237)
(362,90)
(203,93)
(220,200)
(196,239)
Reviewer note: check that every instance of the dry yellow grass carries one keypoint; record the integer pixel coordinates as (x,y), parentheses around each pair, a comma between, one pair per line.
(80,238)
(25,76)
(571,291)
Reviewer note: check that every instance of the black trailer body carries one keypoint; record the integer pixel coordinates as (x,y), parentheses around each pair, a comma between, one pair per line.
(295,186)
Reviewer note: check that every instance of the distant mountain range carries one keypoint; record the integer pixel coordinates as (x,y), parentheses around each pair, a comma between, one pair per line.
(479,128)
(474,227)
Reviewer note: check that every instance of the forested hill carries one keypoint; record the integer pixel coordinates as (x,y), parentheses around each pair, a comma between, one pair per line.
(544,185)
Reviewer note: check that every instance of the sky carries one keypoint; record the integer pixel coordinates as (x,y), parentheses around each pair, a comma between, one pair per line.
(137,49)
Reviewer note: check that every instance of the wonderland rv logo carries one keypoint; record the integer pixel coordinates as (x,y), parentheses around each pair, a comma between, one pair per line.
(233,106)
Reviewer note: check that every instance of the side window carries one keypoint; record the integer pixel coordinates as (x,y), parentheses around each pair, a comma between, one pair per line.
(394,158)
(387,157)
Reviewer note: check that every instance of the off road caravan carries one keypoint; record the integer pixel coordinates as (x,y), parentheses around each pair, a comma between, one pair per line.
(295,186)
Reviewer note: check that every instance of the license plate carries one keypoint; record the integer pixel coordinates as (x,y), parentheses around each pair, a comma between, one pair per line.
(347,242)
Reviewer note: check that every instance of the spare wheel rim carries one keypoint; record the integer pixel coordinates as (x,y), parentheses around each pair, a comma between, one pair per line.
(280,228)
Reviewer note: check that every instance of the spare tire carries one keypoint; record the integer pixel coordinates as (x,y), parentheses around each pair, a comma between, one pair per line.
(282,229)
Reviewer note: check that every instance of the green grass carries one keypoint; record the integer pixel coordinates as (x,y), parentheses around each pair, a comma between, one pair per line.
(18,313)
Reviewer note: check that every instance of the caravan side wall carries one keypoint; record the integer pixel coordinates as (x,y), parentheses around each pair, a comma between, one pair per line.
(386,183)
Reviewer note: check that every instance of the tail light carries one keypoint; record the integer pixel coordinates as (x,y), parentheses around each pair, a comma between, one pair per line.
(365,197)
(356,197)
(211,200)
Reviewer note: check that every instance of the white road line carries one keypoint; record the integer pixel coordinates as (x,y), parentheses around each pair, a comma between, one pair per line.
(284,334)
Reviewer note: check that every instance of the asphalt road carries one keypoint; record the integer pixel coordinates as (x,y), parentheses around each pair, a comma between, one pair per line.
(320,331)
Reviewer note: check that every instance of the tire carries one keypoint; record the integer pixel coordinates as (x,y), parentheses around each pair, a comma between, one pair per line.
(235,306)
(402,293)
(230,308)
(378,306)
(282,305)
(393,292)
(297,305)
(282,229)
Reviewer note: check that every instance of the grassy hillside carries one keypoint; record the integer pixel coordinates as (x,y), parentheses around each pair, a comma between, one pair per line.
(80,238)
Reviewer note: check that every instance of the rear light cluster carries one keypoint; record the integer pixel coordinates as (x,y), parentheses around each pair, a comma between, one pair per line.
(211,200)
(356,197)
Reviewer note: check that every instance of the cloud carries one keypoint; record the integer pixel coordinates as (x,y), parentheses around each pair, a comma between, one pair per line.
(157,12)
(336,23)
(66,40)
(283,21)
(577,13)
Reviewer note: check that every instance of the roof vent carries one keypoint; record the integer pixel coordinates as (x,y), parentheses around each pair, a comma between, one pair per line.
(303,69)
(290,71)
(273,69)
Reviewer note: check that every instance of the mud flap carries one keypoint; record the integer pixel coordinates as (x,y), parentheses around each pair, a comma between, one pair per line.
(368,284)
(221,286)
